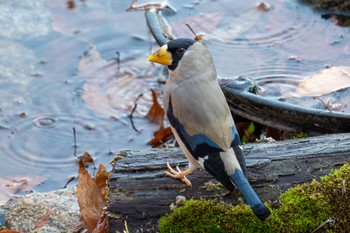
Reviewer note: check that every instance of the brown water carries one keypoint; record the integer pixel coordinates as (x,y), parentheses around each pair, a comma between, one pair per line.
(59,70)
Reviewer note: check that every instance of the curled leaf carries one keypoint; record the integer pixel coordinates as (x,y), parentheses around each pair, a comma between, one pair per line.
(91,199)
(160,137)
(101,179)
(86,159)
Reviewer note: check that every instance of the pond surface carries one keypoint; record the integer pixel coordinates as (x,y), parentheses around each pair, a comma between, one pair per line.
(82,64)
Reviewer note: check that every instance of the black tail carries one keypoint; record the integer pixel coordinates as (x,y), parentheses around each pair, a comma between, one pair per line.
(241,182)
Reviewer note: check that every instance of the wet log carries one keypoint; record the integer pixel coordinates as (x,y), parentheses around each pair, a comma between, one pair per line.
(140,193)
(241,96)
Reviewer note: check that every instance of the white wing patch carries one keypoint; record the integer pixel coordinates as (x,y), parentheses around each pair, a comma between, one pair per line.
(230,161)
(202,160)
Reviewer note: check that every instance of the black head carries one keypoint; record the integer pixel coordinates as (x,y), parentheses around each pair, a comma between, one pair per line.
(177,48)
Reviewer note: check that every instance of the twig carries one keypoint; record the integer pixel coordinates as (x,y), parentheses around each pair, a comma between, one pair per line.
(195,34)
(329,221)
(75,142)
(344,72)
(132,112)
(118,62)
(325,105)
(72,178)
(126,227)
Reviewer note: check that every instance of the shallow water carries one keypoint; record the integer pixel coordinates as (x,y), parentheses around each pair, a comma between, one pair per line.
(60,68)
(277,48)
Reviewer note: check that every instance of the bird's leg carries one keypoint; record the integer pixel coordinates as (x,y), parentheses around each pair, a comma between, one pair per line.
(181,175)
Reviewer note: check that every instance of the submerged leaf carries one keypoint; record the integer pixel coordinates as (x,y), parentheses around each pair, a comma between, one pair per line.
(156,112)
(325,81)
(13,185)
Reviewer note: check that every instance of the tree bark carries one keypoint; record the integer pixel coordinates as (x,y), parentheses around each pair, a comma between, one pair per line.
(140,193)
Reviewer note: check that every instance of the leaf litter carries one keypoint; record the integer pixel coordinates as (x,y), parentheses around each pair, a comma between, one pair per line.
(91,193)
(156,115)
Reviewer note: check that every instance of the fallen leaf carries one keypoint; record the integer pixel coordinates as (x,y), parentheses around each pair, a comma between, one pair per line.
(160,137)
(86,159)
(70,4)
(156,112)
(101,179)
(263,6)
(325,81)
(249,135)
(102,224)
(90,199)
(41,223)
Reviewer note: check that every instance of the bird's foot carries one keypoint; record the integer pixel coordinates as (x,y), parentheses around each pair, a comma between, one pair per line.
(181,175)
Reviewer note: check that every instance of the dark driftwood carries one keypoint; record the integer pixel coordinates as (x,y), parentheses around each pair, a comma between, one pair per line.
(140,193)
(330,4)
(278,114)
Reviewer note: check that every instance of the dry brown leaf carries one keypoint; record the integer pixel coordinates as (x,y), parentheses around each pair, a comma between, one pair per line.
(41,222)
(90,199)
(102,224)
(263,6)
(86,159)
(325,81)
(101,178)
(161,136)
(156,113)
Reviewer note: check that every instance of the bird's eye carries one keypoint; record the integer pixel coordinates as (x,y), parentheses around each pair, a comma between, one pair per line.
(180,51)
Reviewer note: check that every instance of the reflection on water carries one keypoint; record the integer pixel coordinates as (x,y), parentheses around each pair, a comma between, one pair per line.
(277,47)
(81,64)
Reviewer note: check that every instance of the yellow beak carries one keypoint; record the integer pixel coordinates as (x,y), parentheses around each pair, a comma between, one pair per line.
(161,56)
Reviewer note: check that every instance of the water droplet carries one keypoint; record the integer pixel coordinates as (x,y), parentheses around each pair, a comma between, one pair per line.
(45,122)
(89,126)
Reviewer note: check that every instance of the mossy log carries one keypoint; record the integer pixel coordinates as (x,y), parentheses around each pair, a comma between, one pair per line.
(140,193)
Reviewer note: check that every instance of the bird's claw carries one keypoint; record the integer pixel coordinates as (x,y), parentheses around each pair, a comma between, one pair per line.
(181,175)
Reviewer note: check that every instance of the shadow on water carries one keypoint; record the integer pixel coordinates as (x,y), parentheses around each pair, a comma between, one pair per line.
(82,64)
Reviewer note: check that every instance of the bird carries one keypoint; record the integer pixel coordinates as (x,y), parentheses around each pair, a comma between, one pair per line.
(201,120)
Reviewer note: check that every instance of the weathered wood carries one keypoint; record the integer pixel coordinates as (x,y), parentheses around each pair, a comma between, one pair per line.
(140,193)
(330,4)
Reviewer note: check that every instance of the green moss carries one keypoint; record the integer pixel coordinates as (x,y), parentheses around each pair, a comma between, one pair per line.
(304,208)
(298,135)
(198,216)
